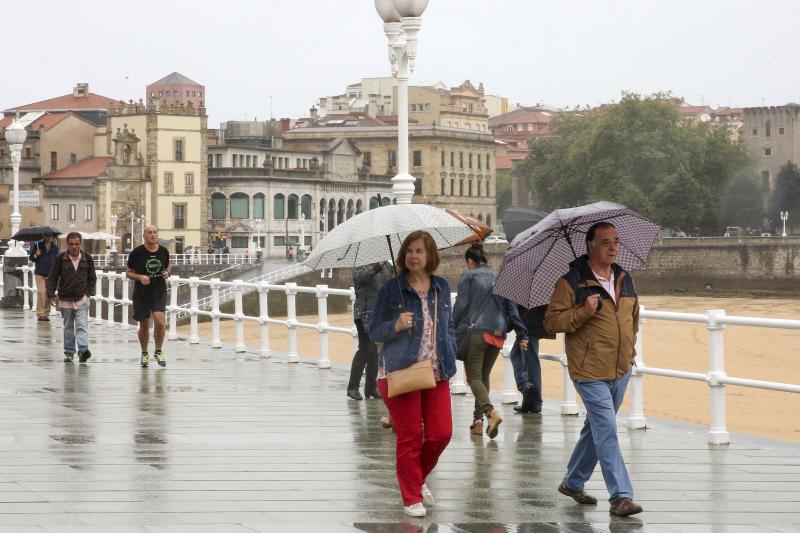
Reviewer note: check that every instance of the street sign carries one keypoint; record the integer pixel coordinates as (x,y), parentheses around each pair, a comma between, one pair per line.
(26,198)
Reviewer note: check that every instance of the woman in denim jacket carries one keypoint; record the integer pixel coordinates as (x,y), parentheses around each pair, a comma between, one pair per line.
(412,320)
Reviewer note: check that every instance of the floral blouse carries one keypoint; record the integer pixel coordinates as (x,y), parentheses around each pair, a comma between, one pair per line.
(427,346)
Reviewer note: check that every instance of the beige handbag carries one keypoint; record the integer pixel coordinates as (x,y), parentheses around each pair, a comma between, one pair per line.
(418,376)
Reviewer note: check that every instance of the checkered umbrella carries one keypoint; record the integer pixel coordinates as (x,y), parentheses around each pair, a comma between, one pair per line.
(376,235)
(540,255)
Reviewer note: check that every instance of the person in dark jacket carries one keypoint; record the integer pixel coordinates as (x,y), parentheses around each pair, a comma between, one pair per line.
(42,254)
(412,318)
(527,368)
(74,278)
(367,281)
(477,312)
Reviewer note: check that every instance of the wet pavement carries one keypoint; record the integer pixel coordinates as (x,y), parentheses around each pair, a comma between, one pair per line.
(219,441)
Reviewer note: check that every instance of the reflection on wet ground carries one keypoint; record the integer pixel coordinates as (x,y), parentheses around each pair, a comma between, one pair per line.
(230,442)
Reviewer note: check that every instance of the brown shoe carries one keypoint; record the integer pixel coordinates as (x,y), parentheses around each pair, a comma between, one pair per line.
(577,495)
(494,423)
(477,428)
(624,507)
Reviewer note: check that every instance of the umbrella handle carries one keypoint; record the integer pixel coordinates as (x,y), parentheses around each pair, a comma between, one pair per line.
(399,288)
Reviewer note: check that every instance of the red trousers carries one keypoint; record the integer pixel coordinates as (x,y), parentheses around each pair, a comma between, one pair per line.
(423,423)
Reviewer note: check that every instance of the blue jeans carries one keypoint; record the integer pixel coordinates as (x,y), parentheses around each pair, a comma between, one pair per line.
(598,440)
(76,328)
(528,371)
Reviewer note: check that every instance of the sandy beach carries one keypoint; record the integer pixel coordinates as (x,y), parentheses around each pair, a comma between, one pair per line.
(756,353)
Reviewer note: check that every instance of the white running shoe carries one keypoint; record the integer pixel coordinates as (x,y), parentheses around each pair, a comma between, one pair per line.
(417,510)
(427,496)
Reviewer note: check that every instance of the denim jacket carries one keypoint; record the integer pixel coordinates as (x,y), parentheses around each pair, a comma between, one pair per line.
(478,310)
(401,350)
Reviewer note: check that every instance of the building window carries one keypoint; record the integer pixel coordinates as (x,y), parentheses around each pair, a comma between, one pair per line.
(218,207)
(470,160)
(53,161)
(530,127)
(217,160)
(239,241)
(755,132)
(442,157)
(392,159)
(88,211)
(767,129)
(278,240)
(247,161)
(210,160)
(367,162)
(479,162)
(417,158)
(167,182)
(187,94)
(255,161)
(258,205)
(487,162)
(509,129)
(452,159)
(71,212)
(285,162)
(73,158)
(53,211)
(27,152)
(278,204)
(441,187)
(452,187)
(178,149)
(469,188)
(189,177)
(178,216)
(768,151)
(461,159)
(427,108)
(461,187)
(291,207)
(479,184)
(780,131)
(305,206)
(765,180)
(488,192)
(413,108)
(240,205)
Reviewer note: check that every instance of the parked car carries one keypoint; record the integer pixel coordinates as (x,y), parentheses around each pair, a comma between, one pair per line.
(733,231)
(495,239)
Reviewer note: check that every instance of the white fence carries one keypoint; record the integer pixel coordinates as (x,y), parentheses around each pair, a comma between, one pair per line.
(715,321)
(107,260)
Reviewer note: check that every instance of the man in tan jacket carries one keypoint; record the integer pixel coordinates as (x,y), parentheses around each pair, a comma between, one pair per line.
(596,306)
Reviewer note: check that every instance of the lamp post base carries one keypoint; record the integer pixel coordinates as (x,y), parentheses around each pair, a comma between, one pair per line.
(403,188)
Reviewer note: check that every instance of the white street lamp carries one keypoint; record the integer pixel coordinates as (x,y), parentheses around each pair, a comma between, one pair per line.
(114,233)
(784,216)
(259,224)
(15,137)
(402,20)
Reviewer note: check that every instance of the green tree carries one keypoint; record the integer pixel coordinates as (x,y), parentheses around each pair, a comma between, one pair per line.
(786,195)
(742,205)
(503,192)
(638,153)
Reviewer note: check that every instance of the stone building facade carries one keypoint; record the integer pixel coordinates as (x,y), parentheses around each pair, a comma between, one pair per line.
(772,136)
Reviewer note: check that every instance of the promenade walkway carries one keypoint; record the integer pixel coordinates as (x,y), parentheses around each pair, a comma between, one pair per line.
(219,441)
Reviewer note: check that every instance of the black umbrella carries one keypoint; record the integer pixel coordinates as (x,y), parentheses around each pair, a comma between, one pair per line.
(34,233)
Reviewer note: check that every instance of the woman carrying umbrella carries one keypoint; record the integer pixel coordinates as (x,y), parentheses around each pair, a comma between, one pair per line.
(412,320)
(485,319)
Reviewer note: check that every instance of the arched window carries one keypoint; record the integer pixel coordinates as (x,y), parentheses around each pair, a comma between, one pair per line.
(350,209)
(479,187)
(219,210)
(278,205)
(489,220)
(258,205)
(480,217)
(240,205)
(359,207)
(373,202)
(340,213)
(488,191)
(469,188)
(331,214)
(323,206)
(386,201)
(292,207)
(305,206)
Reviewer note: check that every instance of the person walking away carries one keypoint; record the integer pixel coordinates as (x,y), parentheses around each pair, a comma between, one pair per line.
(367,281)
(525,361)
(596,306)
(73,277)
(477,312)
(412,319)
(149,268)
(43,254)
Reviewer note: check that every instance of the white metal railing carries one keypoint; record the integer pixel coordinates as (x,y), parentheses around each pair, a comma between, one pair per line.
(106,260)
(227,294)
(716,322)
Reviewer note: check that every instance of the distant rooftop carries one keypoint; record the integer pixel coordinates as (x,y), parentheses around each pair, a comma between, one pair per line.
(175,78)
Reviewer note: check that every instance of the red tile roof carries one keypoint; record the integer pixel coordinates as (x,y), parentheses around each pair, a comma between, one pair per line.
(521,116)
(46,121)
(503,162)
(68,102)
(692,109)
(91,167)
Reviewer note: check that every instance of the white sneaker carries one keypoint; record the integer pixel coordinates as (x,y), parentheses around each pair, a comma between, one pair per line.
(427,496)
(417,510)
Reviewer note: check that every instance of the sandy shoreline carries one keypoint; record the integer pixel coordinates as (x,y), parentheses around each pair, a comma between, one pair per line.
(755,353)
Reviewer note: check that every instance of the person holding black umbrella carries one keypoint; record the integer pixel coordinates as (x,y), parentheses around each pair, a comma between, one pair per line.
(42,254)
(596,306)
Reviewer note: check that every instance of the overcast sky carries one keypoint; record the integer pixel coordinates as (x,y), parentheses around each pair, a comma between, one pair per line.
(559,52)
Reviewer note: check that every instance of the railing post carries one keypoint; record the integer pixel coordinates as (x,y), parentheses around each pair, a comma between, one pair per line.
(173,308)
(98,302)
(111,299)
(510,394)
(125,302)
(238,315)
(354,329)
(291,322)
(34,290)
(458,385)
(216,342)
(718,433)
(569,404)
(322,310)
(636,418)
(194,338)
(25,296)
(263,318)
